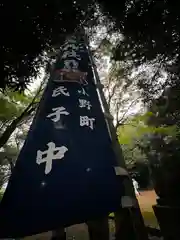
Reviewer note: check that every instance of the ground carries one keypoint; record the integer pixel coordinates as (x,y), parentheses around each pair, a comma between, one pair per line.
(146,200)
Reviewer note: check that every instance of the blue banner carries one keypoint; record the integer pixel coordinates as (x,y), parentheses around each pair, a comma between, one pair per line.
(65,173)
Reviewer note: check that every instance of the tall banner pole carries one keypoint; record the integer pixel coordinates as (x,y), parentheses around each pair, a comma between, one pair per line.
(129,215)
(66,172)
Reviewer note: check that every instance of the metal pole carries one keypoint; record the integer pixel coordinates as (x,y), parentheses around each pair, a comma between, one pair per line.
(128,217)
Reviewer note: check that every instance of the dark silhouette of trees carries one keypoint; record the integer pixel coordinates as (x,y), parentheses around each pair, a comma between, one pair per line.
(150,29)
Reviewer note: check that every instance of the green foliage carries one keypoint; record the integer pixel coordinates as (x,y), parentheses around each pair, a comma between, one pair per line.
(1,194)
(105,47)
(15,112)
(35,28)
(132,155)
(134,139)
(39,27)
(146,37)
(162,147)
(8,156)
(137,127)
(9,108)
(12,104)
(129,136)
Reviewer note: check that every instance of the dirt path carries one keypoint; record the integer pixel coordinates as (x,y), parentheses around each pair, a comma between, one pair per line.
(147,199)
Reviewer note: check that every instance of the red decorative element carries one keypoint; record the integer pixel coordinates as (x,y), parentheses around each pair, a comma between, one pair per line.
(73,75)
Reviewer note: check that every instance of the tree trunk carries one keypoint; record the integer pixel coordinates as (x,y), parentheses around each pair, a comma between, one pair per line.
(10,129)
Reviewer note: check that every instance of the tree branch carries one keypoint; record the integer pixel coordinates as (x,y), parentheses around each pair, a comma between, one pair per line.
(11,165)
(29,109)
(111,95)
(119,122)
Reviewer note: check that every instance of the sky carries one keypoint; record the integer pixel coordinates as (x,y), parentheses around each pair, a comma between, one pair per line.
(36,82)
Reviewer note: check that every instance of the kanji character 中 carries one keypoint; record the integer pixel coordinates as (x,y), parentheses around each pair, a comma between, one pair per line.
(52,153)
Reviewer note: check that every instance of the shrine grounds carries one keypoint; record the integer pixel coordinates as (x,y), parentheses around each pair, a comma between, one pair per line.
(146,200)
